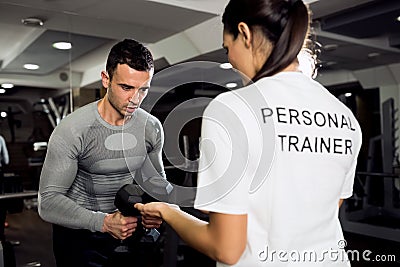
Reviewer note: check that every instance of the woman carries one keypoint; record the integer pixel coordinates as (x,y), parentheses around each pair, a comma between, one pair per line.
(283,153)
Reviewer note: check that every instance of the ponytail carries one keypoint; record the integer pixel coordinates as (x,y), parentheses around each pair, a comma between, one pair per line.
(284,23)
(289,43)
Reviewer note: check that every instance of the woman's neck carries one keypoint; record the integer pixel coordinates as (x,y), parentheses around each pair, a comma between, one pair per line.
(294,67)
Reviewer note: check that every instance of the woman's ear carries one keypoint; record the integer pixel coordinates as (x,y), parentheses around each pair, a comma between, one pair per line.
(245,31)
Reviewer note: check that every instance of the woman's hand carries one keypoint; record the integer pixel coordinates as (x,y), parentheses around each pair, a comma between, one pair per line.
(152,213)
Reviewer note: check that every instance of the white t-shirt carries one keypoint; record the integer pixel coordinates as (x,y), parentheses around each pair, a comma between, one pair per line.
(284,151)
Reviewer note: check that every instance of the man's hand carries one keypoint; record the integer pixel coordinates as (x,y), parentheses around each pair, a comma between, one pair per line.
(119,226)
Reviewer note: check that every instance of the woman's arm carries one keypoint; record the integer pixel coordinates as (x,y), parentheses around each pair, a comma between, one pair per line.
(341,202)
(223,238)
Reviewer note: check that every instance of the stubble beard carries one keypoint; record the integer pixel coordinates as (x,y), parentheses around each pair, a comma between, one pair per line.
(115,107)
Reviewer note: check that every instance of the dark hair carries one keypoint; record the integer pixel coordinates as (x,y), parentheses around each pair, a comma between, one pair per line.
(129,52)
(284,22)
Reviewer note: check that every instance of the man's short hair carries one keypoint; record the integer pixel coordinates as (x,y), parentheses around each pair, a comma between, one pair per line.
(132,53)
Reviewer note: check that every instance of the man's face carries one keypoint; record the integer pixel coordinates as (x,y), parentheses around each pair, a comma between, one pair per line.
(127,89)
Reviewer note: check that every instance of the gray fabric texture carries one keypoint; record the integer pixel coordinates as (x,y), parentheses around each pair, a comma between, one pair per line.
(88,160)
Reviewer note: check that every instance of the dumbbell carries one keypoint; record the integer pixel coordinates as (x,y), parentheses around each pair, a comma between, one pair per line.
(125,199)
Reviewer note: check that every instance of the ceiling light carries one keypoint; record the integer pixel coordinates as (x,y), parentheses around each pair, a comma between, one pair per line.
(30,66)
(398,18)
(2,91)
(62,45)
(7,85)
(231,85)
(225,66)
(3,114)
(36,22)
(347,94)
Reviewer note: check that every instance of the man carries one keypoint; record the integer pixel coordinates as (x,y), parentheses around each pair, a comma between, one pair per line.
(92,153)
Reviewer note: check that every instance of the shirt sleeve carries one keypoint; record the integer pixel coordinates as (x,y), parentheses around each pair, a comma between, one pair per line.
(223,177)
(58,173)
(347,188)
(155,154)
(151,176)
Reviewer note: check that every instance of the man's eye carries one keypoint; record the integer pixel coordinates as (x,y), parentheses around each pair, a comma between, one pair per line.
(144,89)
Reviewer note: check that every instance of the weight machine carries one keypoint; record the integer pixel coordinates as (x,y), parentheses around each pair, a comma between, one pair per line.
(55,111)
(374,208)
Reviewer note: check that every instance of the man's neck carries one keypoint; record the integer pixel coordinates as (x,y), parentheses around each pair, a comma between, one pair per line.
(109,113)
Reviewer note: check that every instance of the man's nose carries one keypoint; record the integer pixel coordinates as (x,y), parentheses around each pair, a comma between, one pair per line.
(135,96)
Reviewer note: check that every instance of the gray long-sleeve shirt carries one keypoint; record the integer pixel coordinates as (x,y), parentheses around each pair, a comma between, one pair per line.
(88,160)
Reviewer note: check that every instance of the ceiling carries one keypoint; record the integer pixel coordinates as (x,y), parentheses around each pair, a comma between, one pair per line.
(354,34)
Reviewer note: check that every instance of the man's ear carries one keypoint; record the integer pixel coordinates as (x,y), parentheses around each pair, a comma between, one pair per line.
(245,33)
(105,79)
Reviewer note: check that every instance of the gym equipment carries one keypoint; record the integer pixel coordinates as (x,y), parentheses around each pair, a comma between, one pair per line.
(1,255)
(374,209)
(125,199)
(55,111)
(7,255)
(175,251)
